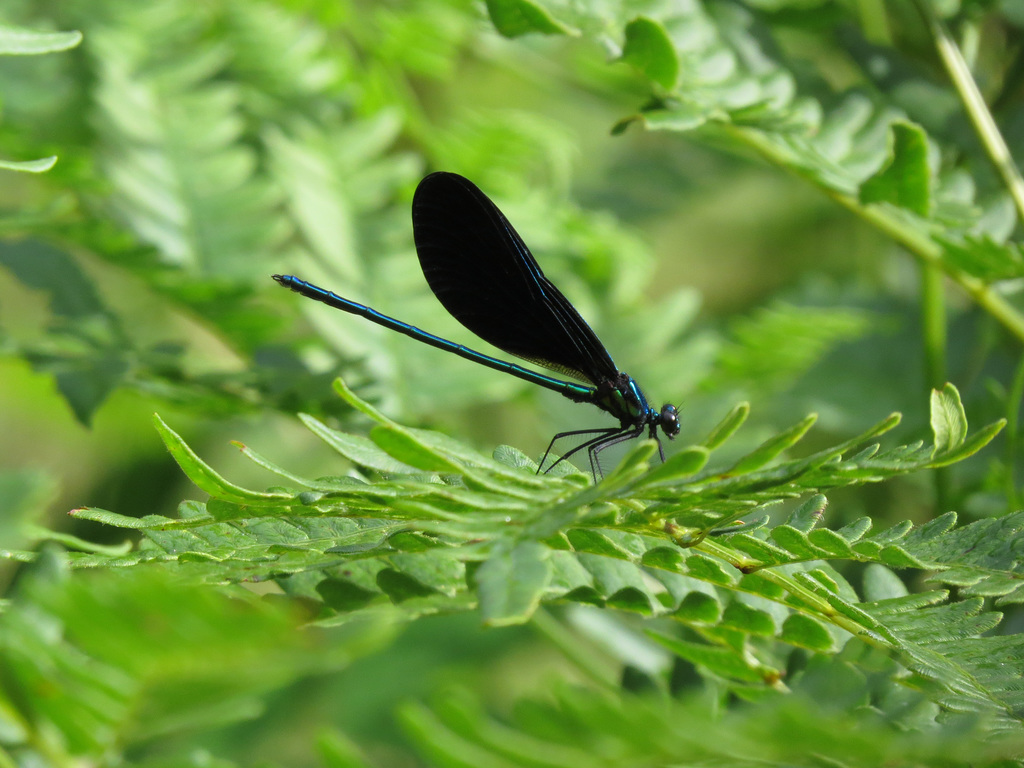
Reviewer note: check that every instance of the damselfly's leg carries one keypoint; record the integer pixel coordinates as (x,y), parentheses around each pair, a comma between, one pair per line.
(596,446)
(602,434)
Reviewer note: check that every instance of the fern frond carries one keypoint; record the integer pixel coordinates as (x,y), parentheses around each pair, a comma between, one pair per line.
(17,41)
(576,726)
(98,663)
(451,529)
(732,88)
(184,180)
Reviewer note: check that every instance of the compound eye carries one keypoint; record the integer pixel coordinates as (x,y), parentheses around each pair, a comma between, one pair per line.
(669,420)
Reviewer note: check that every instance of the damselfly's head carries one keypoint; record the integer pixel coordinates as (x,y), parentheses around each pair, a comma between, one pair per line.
(668,420)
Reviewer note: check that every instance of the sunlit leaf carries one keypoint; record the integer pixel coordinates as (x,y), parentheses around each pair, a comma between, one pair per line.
(21,42)
(649,49)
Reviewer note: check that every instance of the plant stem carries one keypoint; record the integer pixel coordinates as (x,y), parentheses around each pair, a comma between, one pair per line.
(974,104)
(1013,400)
(874,21)
(814,602)
(933,325)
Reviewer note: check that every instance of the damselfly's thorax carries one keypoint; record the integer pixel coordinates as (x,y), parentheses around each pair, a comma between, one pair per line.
(623,399)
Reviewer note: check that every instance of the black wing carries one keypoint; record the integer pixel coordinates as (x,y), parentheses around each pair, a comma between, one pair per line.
(485,276)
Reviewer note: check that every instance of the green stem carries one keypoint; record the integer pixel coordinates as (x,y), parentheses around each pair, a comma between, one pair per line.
(1013,399)
(974,104)
(874,21)
(813,601)
(933,324)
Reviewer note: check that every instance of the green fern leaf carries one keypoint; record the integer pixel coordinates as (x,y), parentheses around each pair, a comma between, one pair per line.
(357,545)
(15,41)
(649,49)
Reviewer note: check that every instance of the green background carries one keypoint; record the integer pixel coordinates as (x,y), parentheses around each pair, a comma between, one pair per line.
(203,148)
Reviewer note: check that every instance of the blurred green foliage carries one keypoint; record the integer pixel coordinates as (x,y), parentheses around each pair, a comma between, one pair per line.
(837,232)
